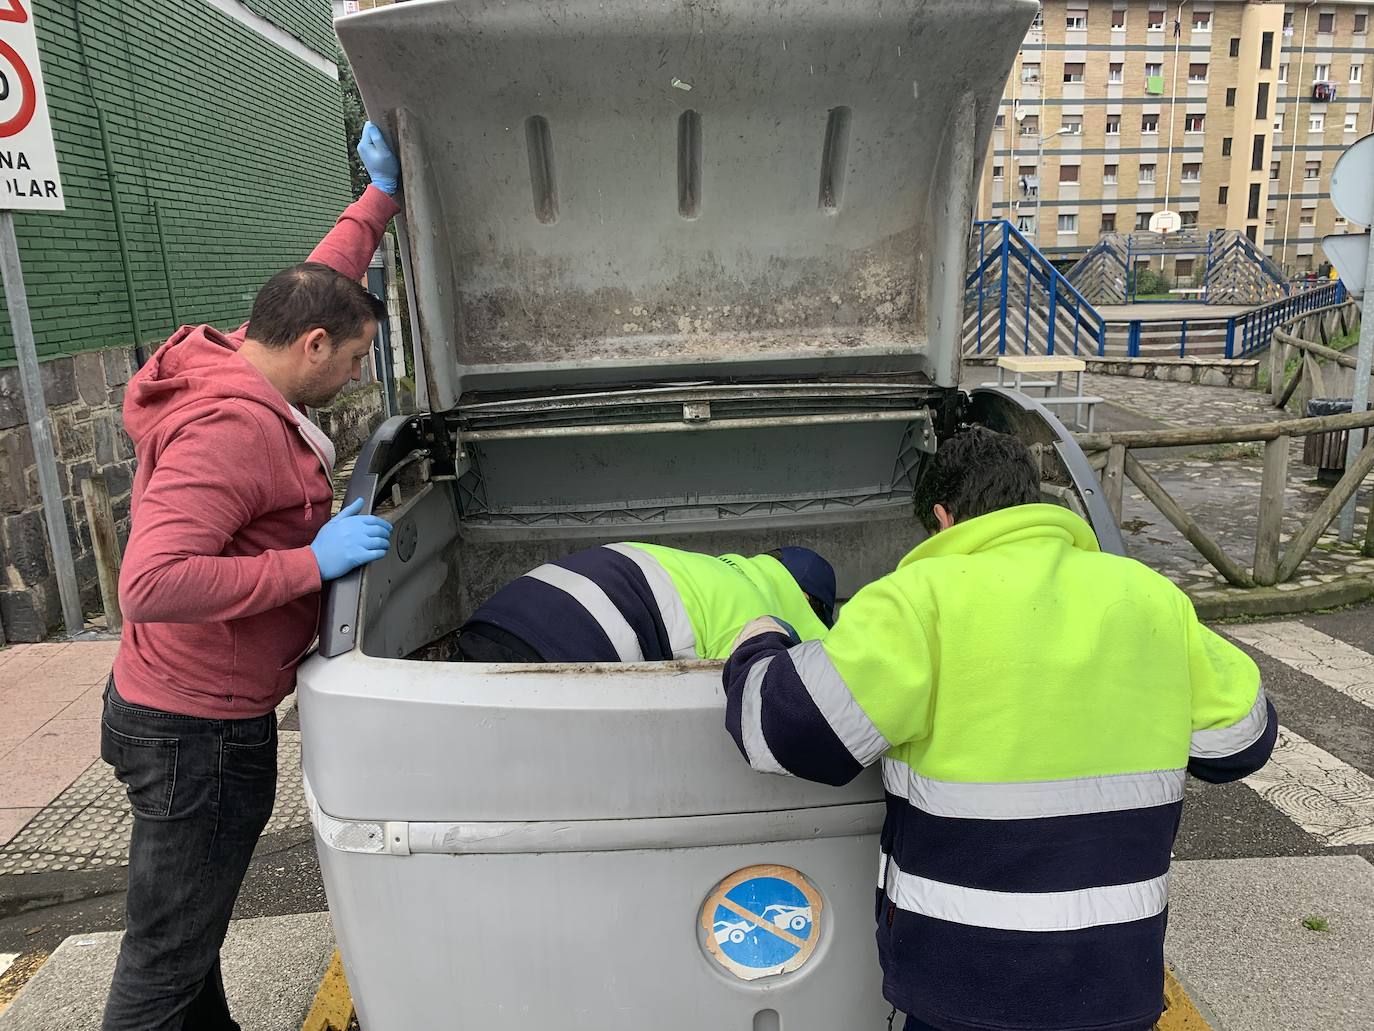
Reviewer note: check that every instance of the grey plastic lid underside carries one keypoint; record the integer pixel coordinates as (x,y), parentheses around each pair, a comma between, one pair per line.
(731,186)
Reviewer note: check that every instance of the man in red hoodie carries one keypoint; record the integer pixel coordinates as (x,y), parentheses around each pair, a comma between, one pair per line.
(220,589)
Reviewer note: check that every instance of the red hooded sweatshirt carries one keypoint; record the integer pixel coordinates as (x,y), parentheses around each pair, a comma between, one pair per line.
(219,587)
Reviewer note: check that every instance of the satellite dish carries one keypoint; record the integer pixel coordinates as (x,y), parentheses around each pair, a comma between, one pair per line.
(1165,222)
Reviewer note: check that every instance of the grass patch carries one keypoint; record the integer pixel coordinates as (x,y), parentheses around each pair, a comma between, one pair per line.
(1316,923)
(1231,452)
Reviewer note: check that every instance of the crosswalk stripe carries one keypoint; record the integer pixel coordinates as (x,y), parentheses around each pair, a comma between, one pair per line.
(1331,800)
(1338,665)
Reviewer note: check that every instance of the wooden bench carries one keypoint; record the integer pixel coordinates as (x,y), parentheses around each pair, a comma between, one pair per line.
(1022,365)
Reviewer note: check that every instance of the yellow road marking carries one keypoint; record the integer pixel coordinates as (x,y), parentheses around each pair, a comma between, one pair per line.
(1179,1014)
(332,1009)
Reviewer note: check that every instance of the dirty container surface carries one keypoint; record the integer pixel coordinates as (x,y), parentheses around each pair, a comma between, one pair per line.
(681,272)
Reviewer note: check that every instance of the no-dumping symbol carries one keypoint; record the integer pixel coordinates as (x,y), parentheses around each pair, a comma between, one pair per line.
(762,921)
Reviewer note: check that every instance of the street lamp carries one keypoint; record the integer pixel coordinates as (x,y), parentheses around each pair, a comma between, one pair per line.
(1039,174)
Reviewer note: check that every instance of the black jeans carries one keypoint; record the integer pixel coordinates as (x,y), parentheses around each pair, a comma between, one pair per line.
(202,791)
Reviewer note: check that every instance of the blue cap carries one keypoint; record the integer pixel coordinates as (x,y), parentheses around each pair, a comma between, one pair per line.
(814,575)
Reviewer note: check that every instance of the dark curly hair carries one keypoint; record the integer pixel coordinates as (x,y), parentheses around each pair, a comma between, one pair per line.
(975,472)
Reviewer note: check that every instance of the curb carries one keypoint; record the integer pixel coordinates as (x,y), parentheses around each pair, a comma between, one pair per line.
(1180,1014)
(1273,601)
(332,1008)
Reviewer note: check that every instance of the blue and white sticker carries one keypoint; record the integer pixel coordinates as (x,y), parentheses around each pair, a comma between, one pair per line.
(762,921)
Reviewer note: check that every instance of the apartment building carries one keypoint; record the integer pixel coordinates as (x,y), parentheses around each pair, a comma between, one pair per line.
(1231,114)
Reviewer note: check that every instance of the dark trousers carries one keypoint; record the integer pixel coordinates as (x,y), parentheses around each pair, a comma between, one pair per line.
(202,791)
(485,642)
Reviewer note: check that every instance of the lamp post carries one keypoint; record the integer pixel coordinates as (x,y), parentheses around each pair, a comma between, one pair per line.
(1039,174)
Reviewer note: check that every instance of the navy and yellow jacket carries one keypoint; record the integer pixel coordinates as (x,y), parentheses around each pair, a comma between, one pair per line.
(1035,705)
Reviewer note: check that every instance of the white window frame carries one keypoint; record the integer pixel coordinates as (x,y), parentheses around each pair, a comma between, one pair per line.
(1157,73)
(1206,68)
(1142,223)
(1352,122)
(1278,121)
(1149,132)
(1075,19)
(1275,168)
(1195,177)
(1113,120)
(1183,221)
(1081,75)
(999,173)
(1026,77)
(1307,171)
(1307,218)
(1321,73)
(1316,122)
(1365,16)
(1201,124)
(1038,22)
(1323,14)
(1116,73)
(1142,179)
(1202,21)
(1283,72)
(1074,128)
(1151,25)
(1357,73)
(1076,180)
(1068,227)
(1111,178)
(1341,222)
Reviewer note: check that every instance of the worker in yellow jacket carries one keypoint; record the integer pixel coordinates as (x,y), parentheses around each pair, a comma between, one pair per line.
(1035,704)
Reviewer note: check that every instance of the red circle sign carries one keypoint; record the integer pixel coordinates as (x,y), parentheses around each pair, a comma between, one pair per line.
(28,102)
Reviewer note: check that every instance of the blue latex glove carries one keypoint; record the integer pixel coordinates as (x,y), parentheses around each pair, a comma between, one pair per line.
(350,540)
(382,166)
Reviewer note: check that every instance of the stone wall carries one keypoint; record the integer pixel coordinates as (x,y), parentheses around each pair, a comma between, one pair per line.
(84,393)
(1208,372)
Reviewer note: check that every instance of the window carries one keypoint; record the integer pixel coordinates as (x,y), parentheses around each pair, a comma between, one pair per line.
(1109,221)
(1321,72)
(1114,73)
(1283,73)
(997,173)
(1030,73)
(1357,73)
(1222,194)
(1274,170)
(1149,125)
(1000,122)
(1316,123)
(1197,73)
(1351,123)
(1361,23)
(1068,223)
(1226,146)
(1119,19)
(1187,220)
(1068,174)
(1252,233)
(1153,70)
(1326,22)
(1030,125)
(1312,170)
(1113,125)
(1202,21)
(1076,19)
(1262,100)
(1025,224)
(1267,50)
(1183,267)
(1340,222)
(1154,21)
(1142,221)
(1278,121)
(1073,73)
(1192,173)
(1194,123)
(1072,125)
(1271,218)
(1257,153)
(1038,22)
(1235,46)
(1230,96)
(1109,175)
(1147,173)
(1307,218)
(1253,209)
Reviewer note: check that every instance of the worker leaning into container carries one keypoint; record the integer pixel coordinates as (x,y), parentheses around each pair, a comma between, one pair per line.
(645,603)
(1036,705)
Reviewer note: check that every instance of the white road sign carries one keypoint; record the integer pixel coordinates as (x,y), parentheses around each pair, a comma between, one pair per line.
(1350,179)
(29,179)
(1349,253)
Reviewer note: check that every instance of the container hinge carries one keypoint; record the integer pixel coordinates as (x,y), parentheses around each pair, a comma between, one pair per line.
(397,837)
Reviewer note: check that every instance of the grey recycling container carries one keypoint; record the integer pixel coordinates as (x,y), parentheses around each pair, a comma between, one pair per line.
(681,272)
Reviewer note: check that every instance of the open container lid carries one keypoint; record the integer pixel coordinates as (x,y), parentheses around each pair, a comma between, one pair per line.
(615,191)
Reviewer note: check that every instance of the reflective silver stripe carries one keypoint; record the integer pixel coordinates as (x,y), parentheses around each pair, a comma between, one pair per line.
(590,596)
(836,703)
(1224,741)
(756,748)
(1025,910)
(681,637)
(1030,800)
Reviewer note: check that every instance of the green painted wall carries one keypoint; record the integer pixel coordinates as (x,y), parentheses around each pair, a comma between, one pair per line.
(240,143)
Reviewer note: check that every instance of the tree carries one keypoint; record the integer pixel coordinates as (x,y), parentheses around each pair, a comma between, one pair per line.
(355,115)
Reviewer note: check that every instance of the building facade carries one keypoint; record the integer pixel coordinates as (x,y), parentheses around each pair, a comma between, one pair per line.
(223,159)
(1230,114)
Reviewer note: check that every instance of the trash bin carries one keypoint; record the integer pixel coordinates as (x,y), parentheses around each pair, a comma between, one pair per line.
(1327,450)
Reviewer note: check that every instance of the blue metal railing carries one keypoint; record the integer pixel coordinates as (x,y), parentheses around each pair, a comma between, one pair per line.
(1002,249)
(1255,328)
